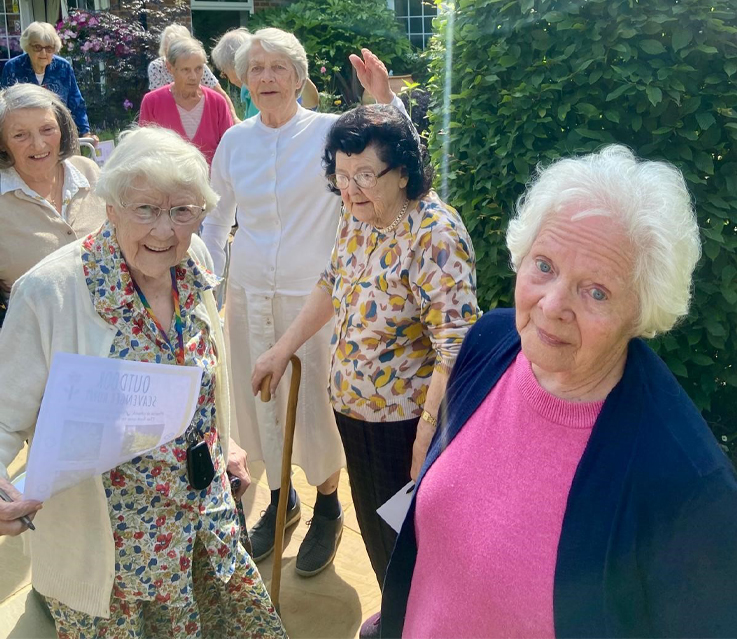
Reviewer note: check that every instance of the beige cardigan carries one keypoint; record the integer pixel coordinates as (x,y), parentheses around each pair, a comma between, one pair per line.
(29,230)
(72,549)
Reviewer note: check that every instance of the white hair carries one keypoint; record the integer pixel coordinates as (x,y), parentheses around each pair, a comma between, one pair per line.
(183,48)
(40,33)
(159,157)
(273,41)
(223,54)
(169,34)
(654,206)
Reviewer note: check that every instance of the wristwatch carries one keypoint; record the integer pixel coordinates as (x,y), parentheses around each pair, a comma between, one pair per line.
(429,419)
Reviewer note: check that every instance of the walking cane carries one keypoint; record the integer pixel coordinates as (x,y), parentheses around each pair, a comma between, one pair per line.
(286,471)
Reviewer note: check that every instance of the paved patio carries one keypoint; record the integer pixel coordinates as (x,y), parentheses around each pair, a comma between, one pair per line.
(330,605)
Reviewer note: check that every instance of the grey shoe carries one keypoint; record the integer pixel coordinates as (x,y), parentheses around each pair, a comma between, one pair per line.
(262,534)
(320,545)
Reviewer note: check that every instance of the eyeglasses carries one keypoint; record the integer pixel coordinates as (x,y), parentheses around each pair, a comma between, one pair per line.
(38,48)
(148,213)
(364,180)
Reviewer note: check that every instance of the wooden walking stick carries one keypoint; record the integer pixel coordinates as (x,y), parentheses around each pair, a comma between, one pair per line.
(286,470)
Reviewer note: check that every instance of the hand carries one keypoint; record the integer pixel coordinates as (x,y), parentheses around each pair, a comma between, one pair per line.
(238,467)
(425,432)
(273,362)
(373,76)
(10,513)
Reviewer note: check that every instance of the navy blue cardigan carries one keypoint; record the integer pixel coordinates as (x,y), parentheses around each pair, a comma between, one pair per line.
(59,78)
(648,546)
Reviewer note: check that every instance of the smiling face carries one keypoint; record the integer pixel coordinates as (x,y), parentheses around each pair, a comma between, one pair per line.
(32,137)
(271,80)
(379,204)
(187,72)
(41,55)
(576,309)
(150,250)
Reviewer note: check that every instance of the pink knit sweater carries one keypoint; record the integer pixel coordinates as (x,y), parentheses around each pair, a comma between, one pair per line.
(489,515)
(158,107)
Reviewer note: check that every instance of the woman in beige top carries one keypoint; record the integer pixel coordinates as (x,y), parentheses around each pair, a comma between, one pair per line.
(46,198)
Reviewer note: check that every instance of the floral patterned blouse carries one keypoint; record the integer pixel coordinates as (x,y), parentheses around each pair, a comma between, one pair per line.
(403,303)
(156,516)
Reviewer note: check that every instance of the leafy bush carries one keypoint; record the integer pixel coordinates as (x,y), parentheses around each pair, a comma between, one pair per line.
(330,30)
(110,56)
(534,80)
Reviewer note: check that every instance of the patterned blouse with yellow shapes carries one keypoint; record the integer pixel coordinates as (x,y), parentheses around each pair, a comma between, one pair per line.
(403,303)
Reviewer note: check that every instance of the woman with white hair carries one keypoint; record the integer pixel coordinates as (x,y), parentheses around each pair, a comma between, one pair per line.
(159,75)
(573,489)
(223,57)
(269,168)
(141,550)
(40,65)
(195,112)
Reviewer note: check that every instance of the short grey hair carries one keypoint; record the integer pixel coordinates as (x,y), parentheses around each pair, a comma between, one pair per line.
(32,96)
(653,204)
(162,159)
(183,48)
(223,54)
(273,40)
(40,33)
(169,34)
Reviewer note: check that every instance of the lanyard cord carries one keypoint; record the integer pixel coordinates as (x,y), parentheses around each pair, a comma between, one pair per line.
(178,324)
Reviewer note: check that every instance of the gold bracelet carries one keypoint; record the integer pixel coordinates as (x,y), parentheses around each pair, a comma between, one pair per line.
(429,419)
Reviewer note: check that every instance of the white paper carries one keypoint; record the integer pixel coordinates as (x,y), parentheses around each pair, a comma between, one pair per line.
(103,151)
(97,413)
(395,510)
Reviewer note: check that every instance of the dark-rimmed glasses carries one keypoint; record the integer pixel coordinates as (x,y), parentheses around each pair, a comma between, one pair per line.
(37,48)
(149,213)
(364,179)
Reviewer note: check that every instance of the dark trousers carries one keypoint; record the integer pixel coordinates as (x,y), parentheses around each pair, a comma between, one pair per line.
(379,457)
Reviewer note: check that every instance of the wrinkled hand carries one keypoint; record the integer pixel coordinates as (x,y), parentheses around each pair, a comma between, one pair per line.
(273,362)
(373,76)
(10,513)
(238,467)
(423,438)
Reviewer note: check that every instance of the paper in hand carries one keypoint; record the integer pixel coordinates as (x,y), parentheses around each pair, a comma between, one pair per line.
(395,510)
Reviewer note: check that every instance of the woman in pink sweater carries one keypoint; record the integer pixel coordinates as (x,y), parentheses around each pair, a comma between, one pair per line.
(200,115)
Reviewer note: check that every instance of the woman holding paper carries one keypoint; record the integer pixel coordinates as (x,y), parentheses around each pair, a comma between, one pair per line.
(151,547)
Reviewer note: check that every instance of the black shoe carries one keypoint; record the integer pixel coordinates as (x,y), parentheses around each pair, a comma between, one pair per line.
(320,545)
(262,534)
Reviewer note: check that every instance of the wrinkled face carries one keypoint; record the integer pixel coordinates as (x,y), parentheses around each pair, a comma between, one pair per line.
(379,204)
(187,72)
(576,309)
(41,55)
(33,139)
(150,250)
(271,79)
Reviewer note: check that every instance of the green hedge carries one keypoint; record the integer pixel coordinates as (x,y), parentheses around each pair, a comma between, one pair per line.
(534,80)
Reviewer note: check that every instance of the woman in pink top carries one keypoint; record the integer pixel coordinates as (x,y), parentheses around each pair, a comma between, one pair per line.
(200,115)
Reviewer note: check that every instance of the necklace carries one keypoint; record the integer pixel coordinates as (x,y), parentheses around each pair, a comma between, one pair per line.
(395,223)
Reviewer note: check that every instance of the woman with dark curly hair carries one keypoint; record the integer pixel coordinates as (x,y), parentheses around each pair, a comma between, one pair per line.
(401,283)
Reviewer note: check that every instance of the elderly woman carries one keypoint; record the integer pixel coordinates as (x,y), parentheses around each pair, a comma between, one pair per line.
(573,489)
(46,191)
(41,66)
(138,289)
(197,113)
(223,56)
(400,287)
(287,220)
(159,74)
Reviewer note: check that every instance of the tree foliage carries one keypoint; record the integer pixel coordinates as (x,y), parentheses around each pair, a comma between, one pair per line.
(330,30)
(534,80)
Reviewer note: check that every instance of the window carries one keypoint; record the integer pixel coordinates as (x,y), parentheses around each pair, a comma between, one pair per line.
(10,29)
(416,17)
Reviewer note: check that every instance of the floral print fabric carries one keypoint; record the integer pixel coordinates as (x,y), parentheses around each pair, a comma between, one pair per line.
(157,518)
(403,303)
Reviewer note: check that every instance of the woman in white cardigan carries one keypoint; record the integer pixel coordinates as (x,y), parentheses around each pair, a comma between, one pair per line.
(268,169)
(140,550)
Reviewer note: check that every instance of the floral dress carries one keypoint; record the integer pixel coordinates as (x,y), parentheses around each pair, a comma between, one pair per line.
(180,570)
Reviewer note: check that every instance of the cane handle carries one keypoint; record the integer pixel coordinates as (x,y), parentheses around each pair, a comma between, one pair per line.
(265,389)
